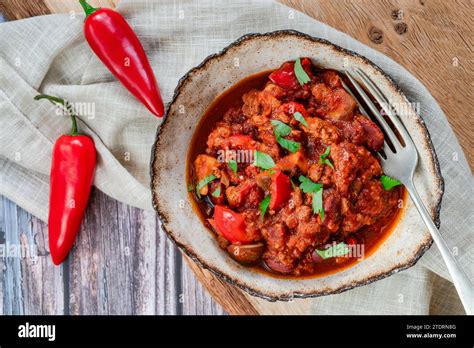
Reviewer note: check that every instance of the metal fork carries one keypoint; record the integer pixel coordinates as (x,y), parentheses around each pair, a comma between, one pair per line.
(401,163)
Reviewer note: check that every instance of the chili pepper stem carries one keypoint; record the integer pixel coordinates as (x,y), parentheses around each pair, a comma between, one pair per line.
(65,105)
(88,9)
(74,130)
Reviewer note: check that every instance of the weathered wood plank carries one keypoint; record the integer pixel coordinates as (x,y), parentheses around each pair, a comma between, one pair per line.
(31,284)
(17,9)
(43,282)
(194,298)
(101,279)
(232,299)
(144,264)
(168,260)
(123,263)
(11,277)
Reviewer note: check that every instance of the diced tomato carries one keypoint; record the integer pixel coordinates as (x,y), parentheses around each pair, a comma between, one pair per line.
(280,189)
(240,141)
(230,225)
(292,161)
(292,107)
(285,76)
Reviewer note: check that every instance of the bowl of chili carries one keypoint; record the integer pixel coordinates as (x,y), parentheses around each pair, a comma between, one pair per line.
(268,176)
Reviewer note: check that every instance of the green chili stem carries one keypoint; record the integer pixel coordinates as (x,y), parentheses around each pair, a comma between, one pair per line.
(88,9)
(66,105)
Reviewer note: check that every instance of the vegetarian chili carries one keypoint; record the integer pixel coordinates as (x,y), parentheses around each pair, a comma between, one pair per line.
(283,169)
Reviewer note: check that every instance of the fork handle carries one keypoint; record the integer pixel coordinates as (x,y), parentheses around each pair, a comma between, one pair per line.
(462,283)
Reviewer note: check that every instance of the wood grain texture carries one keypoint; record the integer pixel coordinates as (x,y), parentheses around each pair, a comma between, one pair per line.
(436,47)
(29,282)
(430,38)
(18,9)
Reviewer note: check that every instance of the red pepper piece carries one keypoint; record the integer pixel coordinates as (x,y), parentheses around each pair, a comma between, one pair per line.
(292,107)
(72,172)
(280,189)
(351,241)
(118,47)
(230,224)
(240,141)
(285,76)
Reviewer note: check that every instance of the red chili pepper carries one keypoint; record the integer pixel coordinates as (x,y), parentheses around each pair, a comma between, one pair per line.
(230,224)
(118,47)
(280,189)
(285,76)
(72,172)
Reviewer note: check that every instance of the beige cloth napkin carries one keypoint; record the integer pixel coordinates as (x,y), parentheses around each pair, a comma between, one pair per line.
(48,54)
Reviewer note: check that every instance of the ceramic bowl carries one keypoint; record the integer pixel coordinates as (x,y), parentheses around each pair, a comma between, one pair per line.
(195,92)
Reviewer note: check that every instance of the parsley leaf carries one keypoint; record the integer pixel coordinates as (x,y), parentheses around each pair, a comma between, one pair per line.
(233,165)
(203,183)
(190,188)
(308,186)
(324,160)
(217,192)
(340,249)
(264,205)
(300,118)
(262,160)
(292,183)
(300,74)
(290,145)
(280,128)
(388,182)
(326,152)
(318,203)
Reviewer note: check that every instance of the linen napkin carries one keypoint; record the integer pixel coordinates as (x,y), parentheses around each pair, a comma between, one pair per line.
(48,54)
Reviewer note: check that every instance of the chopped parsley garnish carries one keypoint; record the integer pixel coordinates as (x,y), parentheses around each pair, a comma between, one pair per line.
(264,205)
(340,249)
(190,188)
(308,186)
(300,118)
(217,192)
(292,183)
(262,160)
(282,130)
(290,145)
(203,183)
(318,203)
(300,74)
(324,160)
(233,166)
(388,182)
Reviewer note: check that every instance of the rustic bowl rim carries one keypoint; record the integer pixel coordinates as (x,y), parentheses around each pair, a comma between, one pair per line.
(202,263)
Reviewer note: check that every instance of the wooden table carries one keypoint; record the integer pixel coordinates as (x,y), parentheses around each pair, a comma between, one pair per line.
(112,269)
